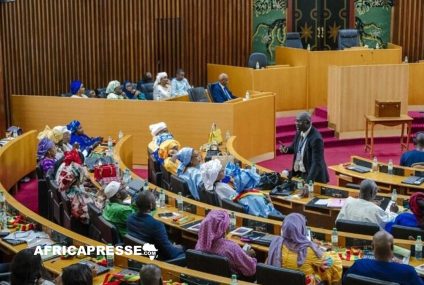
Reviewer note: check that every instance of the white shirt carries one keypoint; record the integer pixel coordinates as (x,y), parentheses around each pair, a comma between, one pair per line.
(82,96)
(114,96)
(160,92)
(360,210)
(224,191)
(298,164)
(179,87)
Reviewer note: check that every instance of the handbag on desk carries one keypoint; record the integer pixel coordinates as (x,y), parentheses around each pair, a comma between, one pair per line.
(215,136)
(104,171)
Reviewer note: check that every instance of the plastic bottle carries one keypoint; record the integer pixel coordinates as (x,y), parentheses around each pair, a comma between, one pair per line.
(375,164)
(377,46)
(227,135)
(300,184)
(232,221)
(419,248)
(146,186)
(257,65)
(406,59)
(109,258)
(308,48)
(247,95)
(120,135)
(109,144)
(309,233)
(162,198)
(118,170)
(127,176)
(180,203)
(15,134)
(390,167)
(394,195)
(310,189)
(233,280)
(253,168)
(335,238)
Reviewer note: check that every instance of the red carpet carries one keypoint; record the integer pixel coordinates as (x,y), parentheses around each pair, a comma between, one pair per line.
(140,172)
(28,194)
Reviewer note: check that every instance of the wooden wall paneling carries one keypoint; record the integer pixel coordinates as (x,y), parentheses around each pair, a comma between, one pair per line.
(46,44)
(408,28)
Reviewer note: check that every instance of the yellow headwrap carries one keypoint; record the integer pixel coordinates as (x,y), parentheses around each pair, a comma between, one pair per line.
(46,133)
(166,146)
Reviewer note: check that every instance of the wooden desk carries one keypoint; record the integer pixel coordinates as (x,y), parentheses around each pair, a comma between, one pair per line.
(317,63)
(189,122)
(403,120)
(22,162)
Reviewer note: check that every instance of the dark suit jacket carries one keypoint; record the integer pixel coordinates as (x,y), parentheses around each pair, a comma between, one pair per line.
(218,94)
(313,157)
(147,229)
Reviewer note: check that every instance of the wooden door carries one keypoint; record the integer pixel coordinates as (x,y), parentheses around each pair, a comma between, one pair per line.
(319,21)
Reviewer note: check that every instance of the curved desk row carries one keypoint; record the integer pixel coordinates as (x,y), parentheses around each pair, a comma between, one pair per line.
(17,159)
(122,153)
(386,182)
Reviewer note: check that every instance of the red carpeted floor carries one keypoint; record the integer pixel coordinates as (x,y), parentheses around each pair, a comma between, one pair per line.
(336,151)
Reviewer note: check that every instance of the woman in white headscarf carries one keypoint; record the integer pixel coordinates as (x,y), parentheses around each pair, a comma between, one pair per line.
(114,90)
(212,173)
(161,88)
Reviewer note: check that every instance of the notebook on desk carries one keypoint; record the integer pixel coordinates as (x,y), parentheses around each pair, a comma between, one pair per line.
(413,180)
(358,168)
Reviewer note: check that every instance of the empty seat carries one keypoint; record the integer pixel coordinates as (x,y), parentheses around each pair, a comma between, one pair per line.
(293,40)
(348,38)
(154,174)
(270,275)
(232,206)
(179,185)
(198,94)
(257,57)
(109,233)
(147,90)
(353,279)
(209,263)
(166,178)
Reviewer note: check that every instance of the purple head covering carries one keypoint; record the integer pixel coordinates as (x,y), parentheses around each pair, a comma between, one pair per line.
(294,238)
(43,147)
(212,228)
(75,86)
(184,156)
(73,126)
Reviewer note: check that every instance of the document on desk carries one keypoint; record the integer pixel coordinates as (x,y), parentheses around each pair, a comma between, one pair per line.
(336,202)
(321,202)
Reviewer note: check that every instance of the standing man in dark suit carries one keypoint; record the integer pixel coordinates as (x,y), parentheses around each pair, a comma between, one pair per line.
(219,90)
(308,150)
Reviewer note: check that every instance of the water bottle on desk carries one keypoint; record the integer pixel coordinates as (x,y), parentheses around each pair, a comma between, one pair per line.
(419,248)
(109,258)
(390,167)
(375,164)
(258,65)
(110,144)
(162,198)
(127,176)
(233,280)
(406,59)
(394,195)
(247,95)
(335,238)
(180,203)
(311,189)
(233,221)
(120,135)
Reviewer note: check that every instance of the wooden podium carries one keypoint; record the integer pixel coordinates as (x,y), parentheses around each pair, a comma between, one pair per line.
(354,89)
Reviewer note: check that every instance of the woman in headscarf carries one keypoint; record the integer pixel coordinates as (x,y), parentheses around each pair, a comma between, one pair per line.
(295,251)
(189,169)
(46,154)
(77,89)
(161,87)
(114,90)
(62,136)
(413,218)
(254,201)
(167,153)
(70,179)
(212,173)
(160,134)
(211,239)
(86,144)
(131,92)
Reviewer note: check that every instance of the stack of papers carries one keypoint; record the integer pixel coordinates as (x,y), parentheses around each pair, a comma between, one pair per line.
(332,202)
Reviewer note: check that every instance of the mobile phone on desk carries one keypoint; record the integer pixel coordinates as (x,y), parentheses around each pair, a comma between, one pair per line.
(165,215)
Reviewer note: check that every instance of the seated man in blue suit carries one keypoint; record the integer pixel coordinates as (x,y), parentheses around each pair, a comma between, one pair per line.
(143,226)
(219,90)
